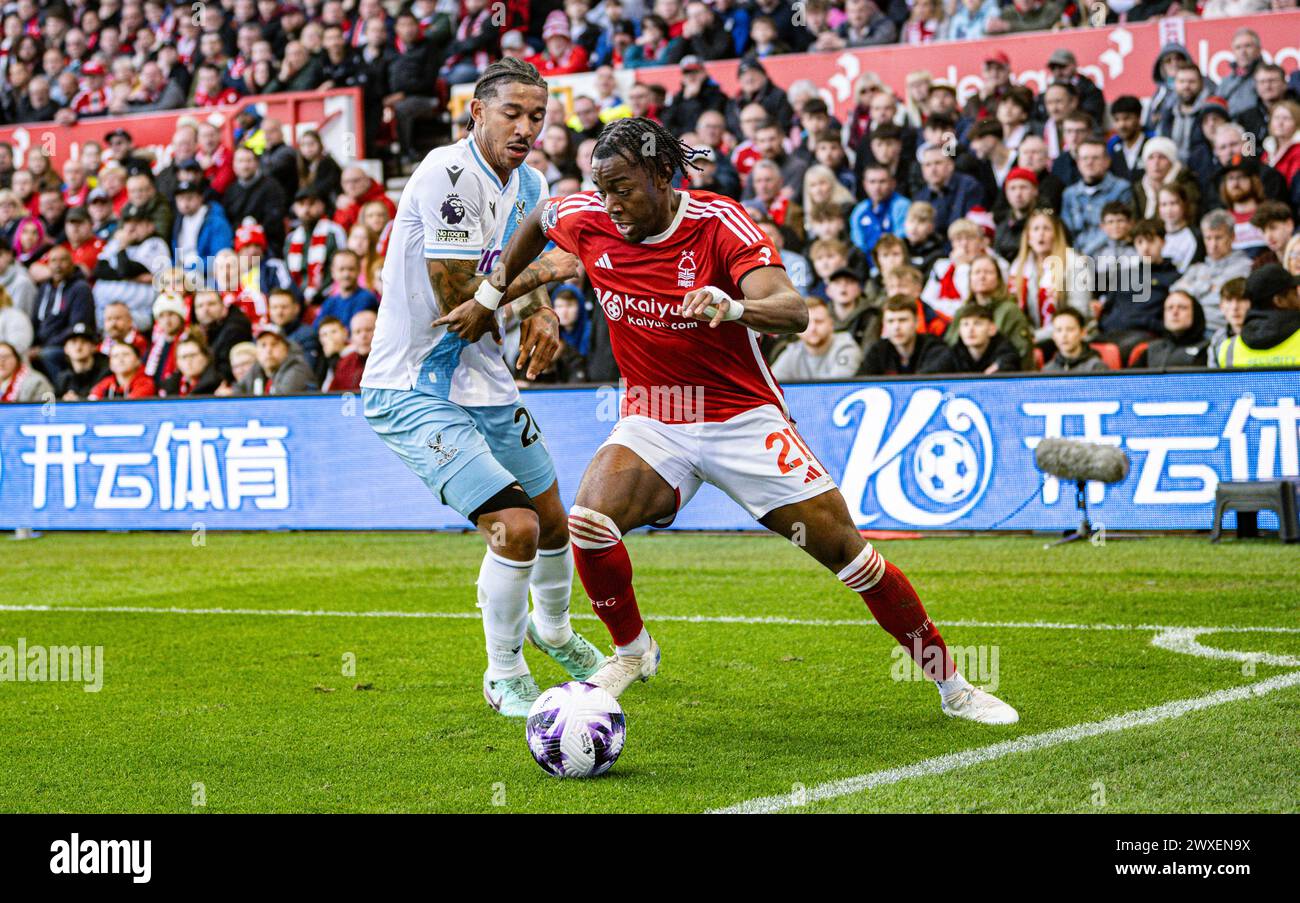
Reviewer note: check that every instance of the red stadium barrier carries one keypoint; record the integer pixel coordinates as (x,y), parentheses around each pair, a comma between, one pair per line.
(1118,59)
(336,114)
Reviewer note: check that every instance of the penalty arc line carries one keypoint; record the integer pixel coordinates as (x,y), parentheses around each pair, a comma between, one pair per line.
(965,759)
(773,620)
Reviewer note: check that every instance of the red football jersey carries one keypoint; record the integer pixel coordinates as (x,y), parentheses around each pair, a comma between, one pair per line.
(665,358)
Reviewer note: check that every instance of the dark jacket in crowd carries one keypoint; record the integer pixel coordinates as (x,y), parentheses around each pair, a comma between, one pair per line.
(1266,329)
(958,359)
(81,383)
(61,307)
(1088,361)
(207,384)
(770,98)
(952,201)
(1124,309)
(1006,240)
(264,200)
(226,334)
(409,72)
(883,359)
(681,115)
(281,163)
(1183,349)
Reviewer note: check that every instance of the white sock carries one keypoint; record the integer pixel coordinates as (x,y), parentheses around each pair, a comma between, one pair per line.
(503,596)
(952,684)
(552,585)
(639,646)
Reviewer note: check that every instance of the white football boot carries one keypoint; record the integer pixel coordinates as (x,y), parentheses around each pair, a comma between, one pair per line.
(979,706)
(618,672)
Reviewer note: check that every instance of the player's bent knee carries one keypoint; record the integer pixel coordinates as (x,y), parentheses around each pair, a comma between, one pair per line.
(553,523)
(592,530)
(510,522)
(513,496)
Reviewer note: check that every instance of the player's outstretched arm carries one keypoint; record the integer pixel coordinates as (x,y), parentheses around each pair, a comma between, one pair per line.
(771,303)
(525,249)
(476,313)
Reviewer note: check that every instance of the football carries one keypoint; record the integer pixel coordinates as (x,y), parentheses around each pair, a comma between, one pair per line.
(576,730)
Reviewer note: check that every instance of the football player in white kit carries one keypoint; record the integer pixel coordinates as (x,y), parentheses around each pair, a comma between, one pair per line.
(450,409)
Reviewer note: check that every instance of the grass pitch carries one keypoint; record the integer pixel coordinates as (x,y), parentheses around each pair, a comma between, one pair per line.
(259,712)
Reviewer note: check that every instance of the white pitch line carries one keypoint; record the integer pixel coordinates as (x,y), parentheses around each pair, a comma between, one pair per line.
(774,620)
(967,758)
(1184,640)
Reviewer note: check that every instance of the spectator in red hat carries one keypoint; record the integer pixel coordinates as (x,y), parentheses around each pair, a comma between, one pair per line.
(561,56)
(1019,198)
(259,274)
(996,83)
(93,99)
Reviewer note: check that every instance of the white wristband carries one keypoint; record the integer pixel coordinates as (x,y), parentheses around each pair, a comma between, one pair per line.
(735,310)
(488,296)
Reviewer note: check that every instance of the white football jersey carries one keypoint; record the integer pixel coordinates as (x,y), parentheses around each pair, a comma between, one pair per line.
(453,208)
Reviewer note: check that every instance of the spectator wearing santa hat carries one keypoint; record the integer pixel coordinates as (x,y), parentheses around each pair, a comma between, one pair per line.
(561,56)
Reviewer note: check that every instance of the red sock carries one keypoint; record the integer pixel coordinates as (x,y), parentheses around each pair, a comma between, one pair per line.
(606,573)
(896,607)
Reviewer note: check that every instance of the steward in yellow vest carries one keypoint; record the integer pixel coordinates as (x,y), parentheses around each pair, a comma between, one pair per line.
(1270,337)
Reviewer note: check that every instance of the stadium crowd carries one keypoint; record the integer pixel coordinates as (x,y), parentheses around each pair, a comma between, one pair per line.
(1012,230)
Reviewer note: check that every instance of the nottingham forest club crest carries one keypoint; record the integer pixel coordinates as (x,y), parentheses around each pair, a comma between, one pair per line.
(686,270)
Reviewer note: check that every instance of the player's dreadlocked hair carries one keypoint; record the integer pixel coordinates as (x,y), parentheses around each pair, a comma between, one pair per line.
(647,144)
(504,72)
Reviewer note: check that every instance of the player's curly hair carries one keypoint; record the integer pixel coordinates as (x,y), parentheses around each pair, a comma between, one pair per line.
(647,144)
(504,72)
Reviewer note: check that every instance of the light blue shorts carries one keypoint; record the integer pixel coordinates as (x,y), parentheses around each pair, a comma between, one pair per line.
(465,455)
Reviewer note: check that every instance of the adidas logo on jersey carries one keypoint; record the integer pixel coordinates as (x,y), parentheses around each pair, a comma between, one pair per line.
(604,262)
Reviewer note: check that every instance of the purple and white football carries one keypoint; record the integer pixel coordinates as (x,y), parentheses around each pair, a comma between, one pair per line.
(576,730)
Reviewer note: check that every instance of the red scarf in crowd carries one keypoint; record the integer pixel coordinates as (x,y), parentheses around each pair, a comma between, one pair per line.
(15,383)
(306,260)
(162,356)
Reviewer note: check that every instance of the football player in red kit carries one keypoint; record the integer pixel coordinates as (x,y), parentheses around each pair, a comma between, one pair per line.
(687,281)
